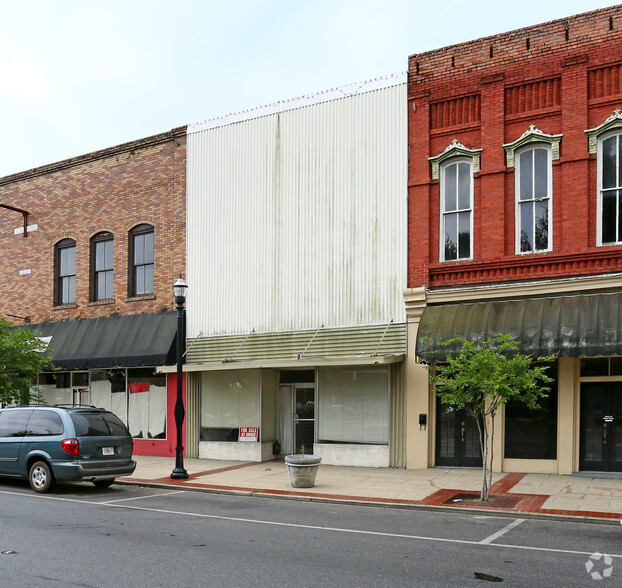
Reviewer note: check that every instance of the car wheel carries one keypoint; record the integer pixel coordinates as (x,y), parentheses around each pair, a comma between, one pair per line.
(41,477)
(103,483)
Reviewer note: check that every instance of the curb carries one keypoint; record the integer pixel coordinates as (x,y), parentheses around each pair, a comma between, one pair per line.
(606,519)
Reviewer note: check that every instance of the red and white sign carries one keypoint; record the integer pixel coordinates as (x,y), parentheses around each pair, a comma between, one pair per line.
(249,434)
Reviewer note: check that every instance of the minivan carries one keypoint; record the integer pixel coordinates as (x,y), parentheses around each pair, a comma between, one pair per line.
(49,444)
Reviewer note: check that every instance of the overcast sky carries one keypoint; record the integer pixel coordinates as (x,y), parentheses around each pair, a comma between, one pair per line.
(77,76)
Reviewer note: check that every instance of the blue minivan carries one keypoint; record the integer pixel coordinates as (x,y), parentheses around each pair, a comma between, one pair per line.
(49,444)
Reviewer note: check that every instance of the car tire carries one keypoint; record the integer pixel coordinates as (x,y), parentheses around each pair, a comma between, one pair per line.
(103,483)
(40,477)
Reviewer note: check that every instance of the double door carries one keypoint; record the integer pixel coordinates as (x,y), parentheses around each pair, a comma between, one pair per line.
(457,438)
(601,427)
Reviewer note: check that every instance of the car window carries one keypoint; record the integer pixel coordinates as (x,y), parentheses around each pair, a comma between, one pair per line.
(44,422)
(97,425)
(116,425)
(13,422)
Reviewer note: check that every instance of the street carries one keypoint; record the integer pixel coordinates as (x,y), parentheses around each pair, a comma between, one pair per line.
(131,536)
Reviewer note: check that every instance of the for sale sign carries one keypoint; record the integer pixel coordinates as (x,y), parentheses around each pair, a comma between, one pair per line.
(249,434)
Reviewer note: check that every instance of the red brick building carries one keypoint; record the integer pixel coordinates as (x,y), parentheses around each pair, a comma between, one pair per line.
(515,225)
(92,246)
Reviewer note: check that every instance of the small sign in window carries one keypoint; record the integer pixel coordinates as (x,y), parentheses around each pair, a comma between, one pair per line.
(249,434)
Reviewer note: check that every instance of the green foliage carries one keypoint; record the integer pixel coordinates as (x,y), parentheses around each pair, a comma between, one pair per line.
(484,376)
(21,360)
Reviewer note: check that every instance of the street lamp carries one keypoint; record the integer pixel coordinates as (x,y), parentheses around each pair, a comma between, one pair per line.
(179,290)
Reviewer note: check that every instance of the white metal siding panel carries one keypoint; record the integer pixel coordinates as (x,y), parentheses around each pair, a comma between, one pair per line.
(298,219)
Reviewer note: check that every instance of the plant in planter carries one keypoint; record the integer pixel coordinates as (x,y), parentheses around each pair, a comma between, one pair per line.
(302,468)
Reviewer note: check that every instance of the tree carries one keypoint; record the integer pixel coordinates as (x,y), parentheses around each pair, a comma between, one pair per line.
(21,360)
(484,376)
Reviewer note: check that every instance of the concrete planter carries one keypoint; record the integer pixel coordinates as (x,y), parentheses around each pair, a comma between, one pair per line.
(302,469)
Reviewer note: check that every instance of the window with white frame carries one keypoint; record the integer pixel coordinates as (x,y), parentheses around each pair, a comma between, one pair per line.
(610,188)
(533,199)
(456,209)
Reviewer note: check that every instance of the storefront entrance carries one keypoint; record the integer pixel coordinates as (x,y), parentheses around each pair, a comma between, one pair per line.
(296,418)
(457,438)
(601,427)
(296,411)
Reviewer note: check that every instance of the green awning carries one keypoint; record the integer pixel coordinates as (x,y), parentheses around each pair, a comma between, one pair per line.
(115,341)
(369,344)
(570,326)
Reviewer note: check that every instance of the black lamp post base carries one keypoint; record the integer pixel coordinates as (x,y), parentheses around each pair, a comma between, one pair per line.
(179,474)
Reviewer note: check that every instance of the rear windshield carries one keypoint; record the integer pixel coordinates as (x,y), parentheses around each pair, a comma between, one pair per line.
(101,424)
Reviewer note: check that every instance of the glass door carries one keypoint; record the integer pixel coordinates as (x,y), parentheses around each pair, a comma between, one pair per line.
(601,427)
(304,418)
(457,438)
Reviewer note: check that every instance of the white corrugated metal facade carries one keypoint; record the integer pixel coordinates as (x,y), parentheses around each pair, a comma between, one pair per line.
(298,218)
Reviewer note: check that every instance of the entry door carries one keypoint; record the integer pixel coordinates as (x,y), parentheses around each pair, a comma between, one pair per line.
(296,418)
(601,427)
(457,438)
(304,418)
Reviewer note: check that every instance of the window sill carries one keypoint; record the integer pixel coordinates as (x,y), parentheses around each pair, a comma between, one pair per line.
(101,302)
(140,298)
(65,306)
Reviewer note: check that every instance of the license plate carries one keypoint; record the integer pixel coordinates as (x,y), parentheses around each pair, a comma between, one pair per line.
(107,450)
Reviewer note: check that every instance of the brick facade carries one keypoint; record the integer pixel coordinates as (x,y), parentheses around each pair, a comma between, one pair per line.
(563,77)
(112,190)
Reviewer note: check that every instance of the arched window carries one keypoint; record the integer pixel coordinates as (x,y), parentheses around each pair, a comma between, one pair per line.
(605,141)
(65,272)
(532,156)
(141,260)
(102,267)
(610,188)
(455,167)
(456,209)
(533,188)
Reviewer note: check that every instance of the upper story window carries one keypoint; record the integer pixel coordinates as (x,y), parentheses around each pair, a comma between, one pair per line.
(456,210)
(610,188)
(533,200)
(532,155)
(102,266)
(65,272)
(606,141)
(141,260)
(455,167)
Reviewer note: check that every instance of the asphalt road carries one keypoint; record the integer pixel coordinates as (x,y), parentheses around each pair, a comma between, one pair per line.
(131,536)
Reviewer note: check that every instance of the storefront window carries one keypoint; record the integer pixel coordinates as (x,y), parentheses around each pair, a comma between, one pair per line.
(146,412)
(601,366)
(353,405)
(229,400)
(108,391)
(529,433)
(56,387)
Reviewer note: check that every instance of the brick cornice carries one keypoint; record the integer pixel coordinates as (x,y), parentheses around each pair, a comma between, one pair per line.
(528,267)
(95,155)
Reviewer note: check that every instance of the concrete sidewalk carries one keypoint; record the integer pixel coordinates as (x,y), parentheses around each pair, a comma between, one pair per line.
(577,497)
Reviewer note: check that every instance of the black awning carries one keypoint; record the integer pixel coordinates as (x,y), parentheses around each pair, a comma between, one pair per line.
(116,341)
(570,326)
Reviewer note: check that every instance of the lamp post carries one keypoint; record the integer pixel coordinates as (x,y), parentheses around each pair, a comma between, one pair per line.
(179,290)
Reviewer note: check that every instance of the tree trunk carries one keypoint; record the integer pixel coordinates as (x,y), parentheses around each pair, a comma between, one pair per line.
(483,443)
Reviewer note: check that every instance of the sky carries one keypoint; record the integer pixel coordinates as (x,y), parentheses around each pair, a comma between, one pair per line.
(78,76)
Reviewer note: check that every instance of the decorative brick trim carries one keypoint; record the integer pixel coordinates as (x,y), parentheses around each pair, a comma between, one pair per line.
(526,267)
(130,147)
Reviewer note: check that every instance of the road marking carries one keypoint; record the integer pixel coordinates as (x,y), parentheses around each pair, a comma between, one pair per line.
(502,532)
(142,497)
(42,498)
